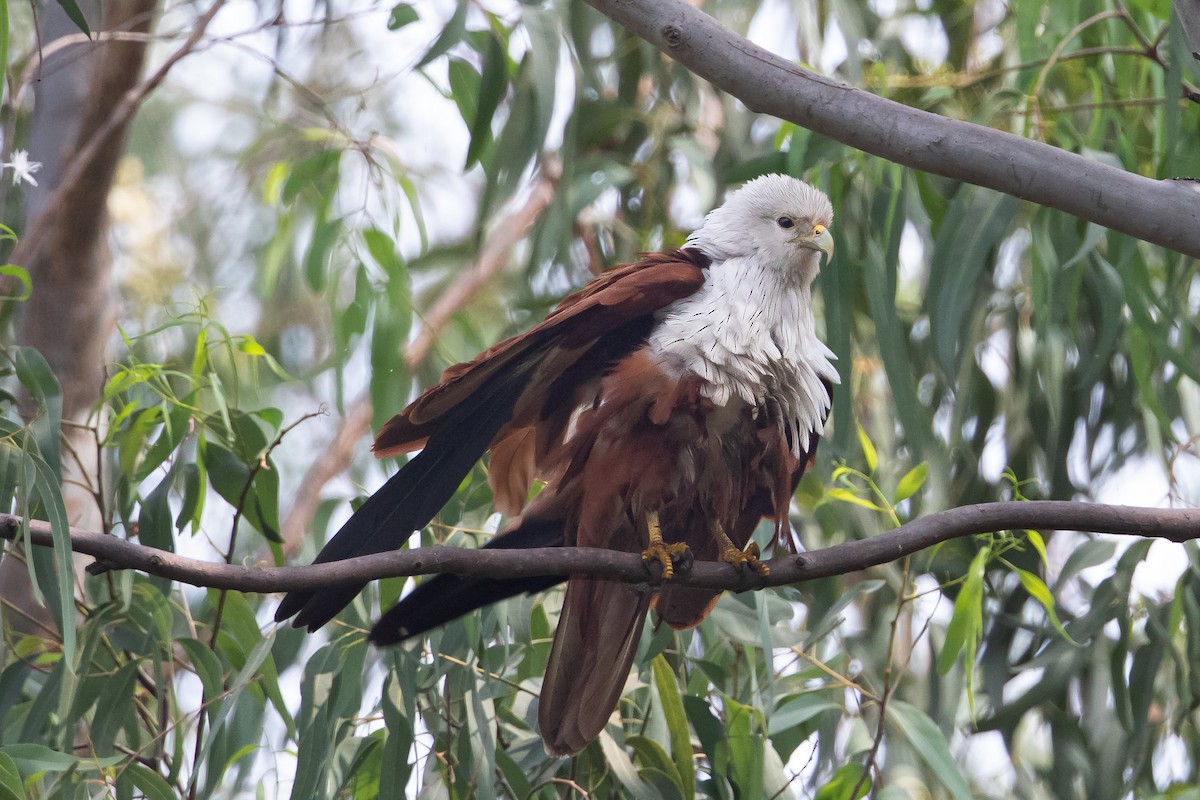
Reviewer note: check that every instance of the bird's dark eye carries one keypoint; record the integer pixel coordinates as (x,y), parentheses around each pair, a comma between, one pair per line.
(785,222)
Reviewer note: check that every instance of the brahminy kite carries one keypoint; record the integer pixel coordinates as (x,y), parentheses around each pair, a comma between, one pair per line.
(669,405)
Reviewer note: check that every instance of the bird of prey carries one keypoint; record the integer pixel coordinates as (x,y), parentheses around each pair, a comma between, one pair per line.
(669,405)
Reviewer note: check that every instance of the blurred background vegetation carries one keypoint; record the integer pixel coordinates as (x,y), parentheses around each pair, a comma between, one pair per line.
(326,204)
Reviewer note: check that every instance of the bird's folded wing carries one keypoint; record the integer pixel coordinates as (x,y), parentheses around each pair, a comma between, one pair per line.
(618,298)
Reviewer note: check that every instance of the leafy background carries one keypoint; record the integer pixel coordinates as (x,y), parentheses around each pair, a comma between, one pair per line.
(300,194)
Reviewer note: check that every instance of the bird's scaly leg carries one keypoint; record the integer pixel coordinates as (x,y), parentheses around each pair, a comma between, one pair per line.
(732,554)
(659,550)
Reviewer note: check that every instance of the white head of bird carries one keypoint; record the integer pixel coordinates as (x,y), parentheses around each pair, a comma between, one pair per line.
(750,331)
(781,221)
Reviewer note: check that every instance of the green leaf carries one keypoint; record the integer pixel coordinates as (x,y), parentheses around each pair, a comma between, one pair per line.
(1038,591)
(152,785)
(451,35)
(11,787)
(966,626)
(76,16)
(12,270)
(624,770)
(154,521)
(257,498)
(402,14)
(315,261)
(878,273)
(656,765)
(868,449)
(115,708)
(831,618)
(45,485)
(1039,544)
(205,664)
(930,744)
(913,480)
(316,175)
(34,373)
(744,757)
(492,86)
(847,496)
(799,710)
(226,703)
(841,785)
(976,223)
(464,88)
(677,724)
(31,757)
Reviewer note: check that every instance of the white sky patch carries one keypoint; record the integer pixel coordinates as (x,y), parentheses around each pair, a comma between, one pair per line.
(986,763)
(834,51)
(924,37)
(931,610)
(1033,746)
(992,356)
(773,27)
(1021,683)
(912,258)
(1008,262)
(1141,481)
(1171,762)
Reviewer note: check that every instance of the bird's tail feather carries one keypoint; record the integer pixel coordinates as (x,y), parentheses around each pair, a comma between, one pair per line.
(597,637)
(411,497)
(447,597)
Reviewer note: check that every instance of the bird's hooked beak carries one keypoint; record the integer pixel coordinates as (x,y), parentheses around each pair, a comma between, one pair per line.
(820,239)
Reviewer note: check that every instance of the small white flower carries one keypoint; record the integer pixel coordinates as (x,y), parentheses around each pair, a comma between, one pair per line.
(22,167)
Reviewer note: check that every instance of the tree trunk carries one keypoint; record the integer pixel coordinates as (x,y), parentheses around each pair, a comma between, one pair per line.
(69,317)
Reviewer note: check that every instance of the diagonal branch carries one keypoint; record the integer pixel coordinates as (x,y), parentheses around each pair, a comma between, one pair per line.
(1166,213)
(1176,525)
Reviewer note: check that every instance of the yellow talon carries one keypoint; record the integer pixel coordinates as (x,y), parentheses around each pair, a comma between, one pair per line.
(732,554)
(658,549)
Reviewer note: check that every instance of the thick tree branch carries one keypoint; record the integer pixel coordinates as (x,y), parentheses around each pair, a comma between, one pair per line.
(1166,213)
(1176,525)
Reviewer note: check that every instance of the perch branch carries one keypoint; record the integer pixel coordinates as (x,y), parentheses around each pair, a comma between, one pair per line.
(1176,525)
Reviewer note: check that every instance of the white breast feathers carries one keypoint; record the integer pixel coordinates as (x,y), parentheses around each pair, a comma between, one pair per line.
(750,337)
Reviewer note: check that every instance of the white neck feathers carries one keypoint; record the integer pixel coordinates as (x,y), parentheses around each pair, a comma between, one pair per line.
(749,334)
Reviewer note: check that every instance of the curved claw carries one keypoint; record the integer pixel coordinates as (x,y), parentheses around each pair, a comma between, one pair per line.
(745,558)
(658,550)
(665,554)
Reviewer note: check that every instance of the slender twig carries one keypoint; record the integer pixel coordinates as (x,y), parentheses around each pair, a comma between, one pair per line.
(967,79)
(888,683)
(1176,525)
(239,509)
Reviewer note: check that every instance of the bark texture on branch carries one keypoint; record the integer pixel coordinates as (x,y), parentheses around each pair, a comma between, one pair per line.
(1166,213)
(1176,525)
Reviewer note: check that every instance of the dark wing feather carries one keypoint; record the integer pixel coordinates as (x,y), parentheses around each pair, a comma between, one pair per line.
(594,644)
(443,598)
(455,422)
(616,298)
